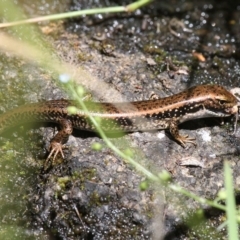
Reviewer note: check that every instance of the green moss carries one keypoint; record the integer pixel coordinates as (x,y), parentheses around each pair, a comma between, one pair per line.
(62,181)
(86,174)
(153,49)
(95,199)
(83,57)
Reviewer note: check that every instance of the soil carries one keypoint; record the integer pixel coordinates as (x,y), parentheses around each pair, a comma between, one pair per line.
(120,57)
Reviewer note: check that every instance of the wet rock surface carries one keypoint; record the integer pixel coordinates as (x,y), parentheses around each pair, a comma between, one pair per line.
(95,194)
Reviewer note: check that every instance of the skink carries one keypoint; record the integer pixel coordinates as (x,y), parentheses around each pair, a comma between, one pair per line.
(165,113)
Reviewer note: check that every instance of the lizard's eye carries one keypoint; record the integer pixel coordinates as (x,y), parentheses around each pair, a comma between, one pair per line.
(222,102)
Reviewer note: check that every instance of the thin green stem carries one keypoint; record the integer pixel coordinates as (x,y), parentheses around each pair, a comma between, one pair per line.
(134,6)
(64,15)
(201,200)
(138,166)
(231,212)
(129,8)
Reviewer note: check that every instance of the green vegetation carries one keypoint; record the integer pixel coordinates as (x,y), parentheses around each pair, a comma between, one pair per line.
(31,53)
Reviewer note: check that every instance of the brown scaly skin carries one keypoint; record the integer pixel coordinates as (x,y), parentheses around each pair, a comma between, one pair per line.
(166,113)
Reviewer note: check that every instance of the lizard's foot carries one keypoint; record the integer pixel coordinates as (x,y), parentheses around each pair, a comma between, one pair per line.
(55,148)
(186,139)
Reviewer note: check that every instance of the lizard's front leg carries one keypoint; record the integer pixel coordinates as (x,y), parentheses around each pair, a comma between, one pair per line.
(173,128)
(56,144)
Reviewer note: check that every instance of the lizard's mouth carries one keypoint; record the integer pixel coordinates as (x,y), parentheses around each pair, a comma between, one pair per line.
(229,110)
(233,110)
